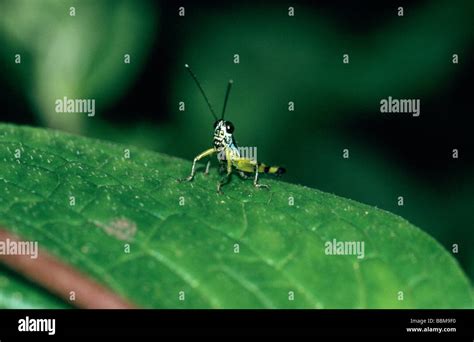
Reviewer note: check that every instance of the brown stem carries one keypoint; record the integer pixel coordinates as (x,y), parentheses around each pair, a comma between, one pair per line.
(60,278)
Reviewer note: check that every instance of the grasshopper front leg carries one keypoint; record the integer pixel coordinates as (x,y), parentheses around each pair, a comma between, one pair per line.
(226,178)
(206,153)
(208,165)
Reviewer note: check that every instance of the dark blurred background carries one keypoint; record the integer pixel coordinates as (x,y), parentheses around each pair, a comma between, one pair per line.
(282,59)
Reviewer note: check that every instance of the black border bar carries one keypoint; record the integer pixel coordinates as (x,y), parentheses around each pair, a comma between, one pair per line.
(243,323)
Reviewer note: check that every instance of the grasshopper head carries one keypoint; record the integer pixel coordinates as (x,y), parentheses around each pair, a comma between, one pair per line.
(223,133)
(223,126)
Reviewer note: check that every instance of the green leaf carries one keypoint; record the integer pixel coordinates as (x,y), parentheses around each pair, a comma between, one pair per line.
(190,246)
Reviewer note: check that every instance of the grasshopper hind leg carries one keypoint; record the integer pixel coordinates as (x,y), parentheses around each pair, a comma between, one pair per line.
(255,180)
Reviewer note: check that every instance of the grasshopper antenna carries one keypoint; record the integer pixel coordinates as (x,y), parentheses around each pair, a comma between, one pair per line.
(202,90)
(229,85)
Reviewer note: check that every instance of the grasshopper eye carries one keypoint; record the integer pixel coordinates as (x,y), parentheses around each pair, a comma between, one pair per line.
(229,127)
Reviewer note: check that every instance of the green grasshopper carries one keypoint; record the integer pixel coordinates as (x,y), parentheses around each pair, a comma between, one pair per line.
(228,153)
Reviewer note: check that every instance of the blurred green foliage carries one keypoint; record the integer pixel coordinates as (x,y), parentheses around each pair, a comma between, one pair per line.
(77,56)
(281,59)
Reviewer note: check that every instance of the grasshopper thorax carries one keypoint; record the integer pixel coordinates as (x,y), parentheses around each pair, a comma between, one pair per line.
(223,134)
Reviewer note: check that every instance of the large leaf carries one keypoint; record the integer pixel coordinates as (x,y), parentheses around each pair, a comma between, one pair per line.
(184,236)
